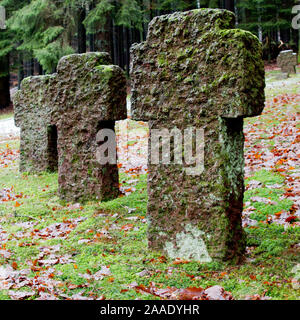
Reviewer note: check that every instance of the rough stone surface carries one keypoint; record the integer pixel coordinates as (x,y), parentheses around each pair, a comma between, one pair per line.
(196,70)
(90,95)
(85,95)
(33,117)
(287,61)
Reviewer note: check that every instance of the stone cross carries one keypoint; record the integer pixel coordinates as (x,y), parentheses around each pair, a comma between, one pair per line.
(90,95)
(287,61)
(86,95)
(196,73)
(38,150)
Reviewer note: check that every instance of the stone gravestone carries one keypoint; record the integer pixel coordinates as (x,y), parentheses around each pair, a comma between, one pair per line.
(90,95)
(38,151)
(196,73)
(87,94)
(287,61)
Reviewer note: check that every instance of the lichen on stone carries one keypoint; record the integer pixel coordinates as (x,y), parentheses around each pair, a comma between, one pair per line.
(189,245)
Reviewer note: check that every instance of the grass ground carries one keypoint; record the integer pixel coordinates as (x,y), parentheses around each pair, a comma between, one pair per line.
(99,250)
(6,114)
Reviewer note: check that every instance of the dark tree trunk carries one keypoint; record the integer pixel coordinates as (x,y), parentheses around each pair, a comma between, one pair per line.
(91,36)
(120,47)
(30,67)
(81,31)
(20,70)
(229,5)
(115,44)
(39,68)
(4,82)
(127,50)
(92,42)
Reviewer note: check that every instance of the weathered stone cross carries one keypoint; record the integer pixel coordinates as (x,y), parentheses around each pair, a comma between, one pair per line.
(87,94)
(287,61)
(196,71)
(38,151)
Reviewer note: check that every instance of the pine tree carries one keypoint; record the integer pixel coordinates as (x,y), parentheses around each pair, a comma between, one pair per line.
(41,31)
(270,20)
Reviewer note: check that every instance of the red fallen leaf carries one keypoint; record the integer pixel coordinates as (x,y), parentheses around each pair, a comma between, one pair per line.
(161,259)
(14,265)
(291,219)
(252,277)
(17,204)
(73,286)
(36,269)
(124,290)
(192,293)
(162,293)
(278,214)
(127,226)
(293,209)
(180,261)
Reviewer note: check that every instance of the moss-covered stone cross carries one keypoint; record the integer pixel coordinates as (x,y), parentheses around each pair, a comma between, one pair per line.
(38,150)
(287,61)
(89,95)
(86,94)
(195,70)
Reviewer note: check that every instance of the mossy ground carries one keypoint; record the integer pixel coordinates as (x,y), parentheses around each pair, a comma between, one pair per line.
(116,231)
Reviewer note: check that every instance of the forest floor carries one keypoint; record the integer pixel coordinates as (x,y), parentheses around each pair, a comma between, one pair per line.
(50,249)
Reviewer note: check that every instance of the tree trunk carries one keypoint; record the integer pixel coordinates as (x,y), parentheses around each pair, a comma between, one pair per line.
(229,5)
(115,44)
(4,82)
(81,31)
(91,36)
(20,70)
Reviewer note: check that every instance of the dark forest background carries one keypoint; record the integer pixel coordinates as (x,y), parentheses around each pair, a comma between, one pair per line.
(40,32)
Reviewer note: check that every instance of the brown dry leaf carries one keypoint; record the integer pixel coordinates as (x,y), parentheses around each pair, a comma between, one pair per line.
(180,261)
(49,262)
(14,265)
(217,293)
(5,254)
(20,295)
(46,296)
(192,293)
(79,296)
